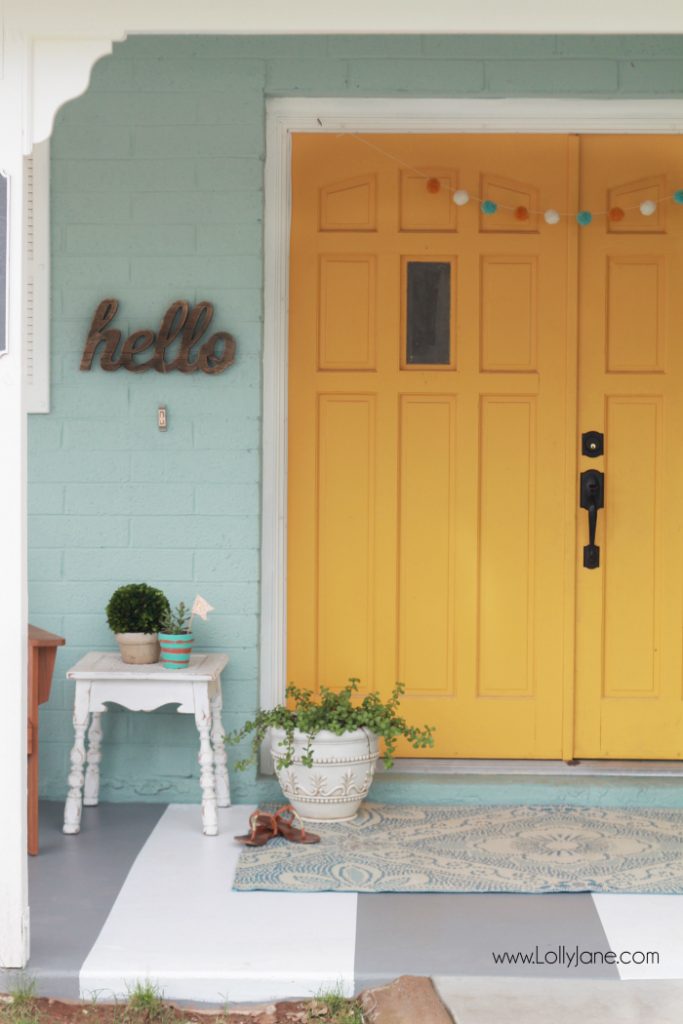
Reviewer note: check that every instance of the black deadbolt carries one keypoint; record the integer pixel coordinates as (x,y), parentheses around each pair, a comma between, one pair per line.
(592,444)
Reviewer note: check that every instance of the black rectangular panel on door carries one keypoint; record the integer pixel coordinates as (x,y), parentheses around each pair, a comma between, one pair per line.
(428,319)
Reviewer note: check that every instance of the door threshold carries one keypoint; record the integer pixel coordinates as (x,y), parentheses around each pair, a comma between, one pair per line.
(545,769)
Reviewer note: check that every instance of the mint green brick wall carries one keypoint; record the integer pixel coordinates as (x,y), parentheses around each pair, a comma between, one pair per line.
(157,194)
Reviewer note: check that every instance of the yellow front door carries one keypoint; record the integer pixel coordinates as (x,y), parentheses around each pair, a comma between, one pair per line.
(629,700)
(437,359)
(428,517)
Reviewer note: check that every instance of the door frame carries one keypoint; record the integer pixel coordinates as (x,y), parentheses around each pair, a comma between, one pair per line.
(288,115)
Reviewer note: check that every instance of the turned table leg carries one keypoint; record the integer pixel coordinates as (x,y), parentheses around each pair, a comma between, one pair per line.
(219,754)
(91,789)
(207,778)
(74,801)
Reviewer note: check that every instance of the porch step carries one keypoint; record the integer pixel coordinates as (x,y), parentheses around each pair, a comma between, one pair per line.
(509,788)
(146,896)
(589,783)
(561,769)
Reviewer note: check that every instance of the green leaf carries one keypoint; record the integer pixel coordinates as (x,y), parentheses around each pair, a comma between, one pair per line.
(335,711)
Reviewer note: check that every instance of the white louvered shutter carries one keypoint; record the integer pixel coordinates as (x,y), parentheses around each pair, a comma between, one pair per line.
(37,279)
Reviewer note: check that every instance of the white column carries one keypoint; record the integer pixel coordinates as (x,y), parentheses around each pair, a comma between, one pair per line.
(14,932)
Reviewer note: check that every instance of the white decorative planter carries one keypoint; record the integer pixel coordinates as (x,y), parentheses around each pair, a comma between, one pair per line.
(342,772)
(138,648)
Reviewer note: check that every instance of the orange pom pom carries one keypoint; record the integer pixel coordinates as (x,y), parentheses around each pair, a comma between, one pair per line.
(521,213)
(433,185)
(616,213)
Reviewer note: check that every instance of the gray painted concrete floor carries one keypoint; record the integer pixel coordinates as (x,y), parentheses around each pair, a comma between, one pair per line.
(76,881)
(73,884)
(456,933)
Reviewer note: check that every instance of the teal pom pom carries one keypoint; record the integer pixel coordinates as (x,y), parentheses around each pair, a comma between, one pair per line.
(584,217)
(678,196)
(488,206)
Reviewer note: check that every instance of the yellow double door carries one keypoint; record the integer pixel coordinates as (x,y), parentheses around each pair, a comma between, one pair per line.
(444,364)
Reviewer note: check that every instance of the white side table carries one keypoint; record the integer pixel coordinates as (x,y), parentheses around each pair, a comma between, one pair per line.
(102,678)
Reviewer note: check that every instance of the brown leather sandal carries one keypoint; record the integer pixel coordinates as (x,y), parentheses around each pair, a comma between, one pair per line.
(262,827)
(286,829)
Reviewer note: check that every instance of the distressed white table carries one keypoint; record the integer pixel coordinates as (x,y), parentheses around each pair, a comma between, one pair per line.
(104,678)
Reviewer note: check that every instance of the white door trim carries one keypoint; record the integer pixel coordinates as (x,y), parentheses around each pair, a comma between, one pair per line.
(284,116)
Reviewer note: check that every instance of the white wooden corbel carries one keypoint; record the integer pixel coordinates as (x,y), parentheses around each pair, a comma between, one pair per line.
(60,71)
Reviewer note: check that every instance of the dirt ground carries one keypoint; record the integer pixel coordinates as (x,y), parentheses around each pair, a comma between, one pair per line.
(52,1011)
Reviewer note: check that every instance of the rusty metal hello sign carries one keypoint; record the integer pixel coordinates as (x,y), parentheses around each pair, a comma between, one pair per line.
(181,323)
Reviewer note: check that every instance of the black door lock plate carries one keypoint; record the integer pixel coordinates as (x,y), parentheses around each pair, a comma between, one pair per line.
(592,444)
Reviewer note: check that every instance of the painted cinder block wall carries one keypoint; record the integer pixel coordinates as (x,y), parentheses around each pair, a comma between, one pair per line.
(157,194)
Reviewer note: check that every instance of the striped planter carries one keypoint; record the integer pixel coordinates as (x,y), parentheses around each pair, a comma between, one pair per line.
(176,649)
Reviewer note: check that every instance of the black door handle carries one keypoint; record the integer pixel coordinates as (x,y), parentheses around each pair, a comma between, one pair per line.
(592,498)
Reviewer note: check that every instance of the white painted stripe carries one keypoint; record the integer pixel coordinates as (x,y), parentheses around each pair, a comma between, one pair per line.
(643,924)
(177,922)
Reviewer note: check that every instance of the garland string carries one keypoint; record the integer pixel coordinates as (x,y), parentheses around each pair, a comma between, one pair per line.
(584,217)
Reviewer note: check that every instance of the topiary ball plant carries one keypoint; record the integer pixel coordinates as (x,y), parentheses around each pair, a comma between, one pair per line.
(135,613)
(137,608)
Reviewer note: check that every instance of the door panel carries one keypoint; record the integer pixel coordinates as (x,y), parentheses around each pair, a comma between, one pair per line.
(507,609)
(346,331)
(428,356)
(426,543)
(509,314)
(630,609)
(345,541)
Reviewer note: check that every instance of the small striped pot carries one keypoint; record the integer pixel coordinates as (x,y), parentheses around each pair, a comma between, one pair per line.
(176,649)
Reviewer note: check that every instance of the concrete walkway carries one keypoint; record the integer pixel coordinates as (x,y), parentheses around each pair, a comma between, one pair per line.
(517,1001)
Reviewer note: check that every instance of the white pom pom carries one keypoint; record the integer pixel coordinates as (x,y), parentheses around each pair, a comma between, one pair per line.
(551,217)
(461,197)
(648,207)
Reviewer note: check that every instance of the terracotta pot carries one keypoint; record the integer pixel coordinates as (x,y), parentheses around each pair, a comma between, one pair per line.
(138,648)
(337,783)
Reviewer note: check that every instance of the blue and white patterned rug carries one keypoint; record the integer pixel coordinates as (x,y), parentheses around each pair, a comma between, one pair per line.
(478,849)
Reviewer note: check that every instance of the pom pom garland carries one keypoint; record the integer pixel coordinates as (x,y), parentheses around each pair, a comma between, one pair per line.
(461,197)
(551,216)
(522,213)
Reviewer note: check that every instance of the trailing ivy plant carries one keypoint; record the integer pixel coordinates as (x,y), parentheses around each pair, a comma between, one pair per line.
(136,608)
(335,711)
